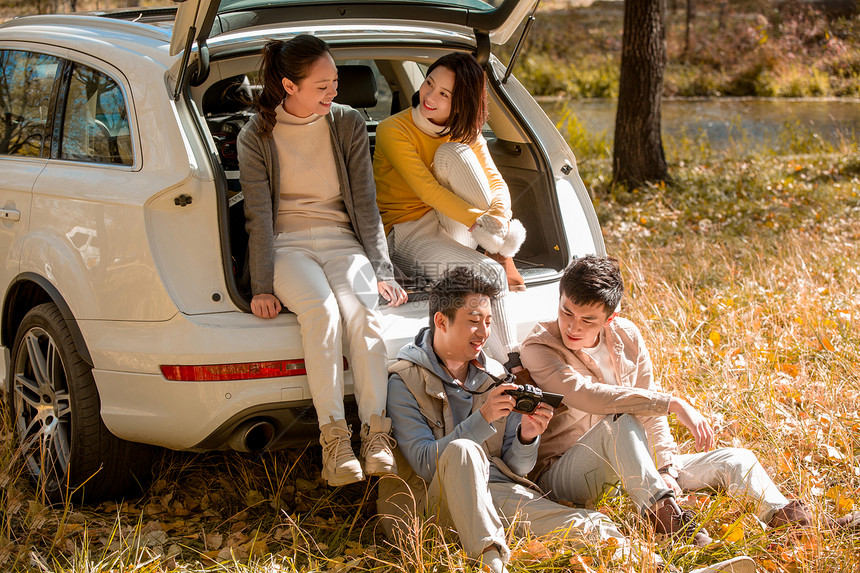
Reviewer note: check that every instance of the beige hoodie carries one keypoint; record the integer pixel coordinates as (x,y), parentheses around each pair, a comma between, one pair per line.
(588,397)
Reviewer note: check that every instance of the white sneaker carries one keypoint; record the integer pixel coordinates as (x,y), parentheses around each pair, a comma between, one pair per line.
(742,564)
(491,562)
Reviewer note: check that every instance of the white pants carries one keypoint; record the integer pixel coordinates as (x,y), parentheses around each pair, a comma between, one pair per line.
(323,275)
(435,243)
(615,453)
(461,495)
(736,471)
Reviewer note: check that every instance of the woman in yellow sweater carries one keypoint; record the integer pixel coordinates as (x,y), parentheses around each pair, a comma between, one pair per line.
(440,194)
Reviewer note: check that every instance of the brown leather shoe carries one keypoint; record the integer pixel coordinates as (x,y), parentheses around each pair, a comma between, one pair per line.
(516,283)
(794,514)
(668,519)
(797,514)
(850,521)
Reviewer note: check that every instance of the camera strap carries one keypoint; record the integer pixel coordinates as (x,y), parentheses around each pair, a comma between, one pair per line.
(477,365)
(507,379)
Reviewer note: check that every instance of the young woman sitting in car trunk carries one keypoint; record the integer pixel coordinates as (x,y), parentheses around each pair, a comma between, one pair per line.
(440,194)
(316,244)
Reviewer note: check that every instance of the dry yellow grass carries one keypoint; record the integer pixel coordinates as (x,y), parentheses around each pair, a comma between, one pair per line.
(743,275)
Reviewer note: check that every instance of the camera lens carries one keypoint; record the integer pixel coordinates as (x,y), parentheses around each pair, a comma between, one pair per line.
(526,404)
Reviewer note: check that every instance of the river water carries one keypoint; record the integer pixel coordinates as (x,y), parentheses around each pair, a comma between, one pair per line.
(723,121)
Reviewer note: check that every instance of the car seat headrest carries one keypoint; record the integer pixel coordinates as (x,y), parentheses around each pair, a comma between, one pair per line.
(230,95)
(356,86)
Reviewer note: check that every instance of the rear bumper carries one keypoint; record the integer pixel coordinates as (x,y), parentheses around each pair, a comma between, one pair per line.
(139,404)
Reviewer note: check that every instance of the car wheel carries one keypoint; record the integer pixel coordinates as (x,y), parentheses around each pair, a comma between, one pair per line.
(63,442)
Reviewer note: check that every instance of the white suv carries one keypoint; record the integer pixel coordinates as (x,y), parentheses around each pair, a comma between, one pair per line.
(124,320)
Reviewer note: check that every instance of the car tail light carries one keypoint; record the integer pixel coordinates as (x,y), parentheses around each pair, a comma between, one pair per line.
(239,371)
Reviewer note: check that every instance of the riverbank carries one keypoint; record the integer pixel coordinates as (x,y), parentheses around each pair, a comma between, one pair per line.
(734,125)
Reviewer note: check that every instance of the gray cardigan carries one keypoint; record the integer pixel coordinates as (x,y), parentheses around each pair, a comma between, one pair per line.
(259,177)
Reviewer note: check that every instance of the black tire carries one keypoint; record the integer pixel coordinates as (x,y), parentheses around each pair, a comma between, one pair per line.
(55,408)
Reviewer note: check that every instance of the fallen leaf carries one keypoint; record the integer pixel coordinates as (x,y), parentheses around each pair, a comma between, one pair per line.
(833,454)
(253,497)
(732,533)
(790,369)
(70,529)
(844,504)
(153,525)
(256,547)
(305,485)
(213,541)
(580,563)
(154,538)
(534,550)
(236,539)
(714,337)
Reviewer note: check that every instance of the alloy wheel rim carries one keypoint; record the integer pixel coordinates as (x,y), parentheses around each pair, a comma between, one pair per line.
(42,407)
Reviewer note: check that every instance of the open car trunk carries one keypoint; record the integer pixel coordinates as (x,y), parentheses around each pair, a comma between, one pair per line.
(378,86)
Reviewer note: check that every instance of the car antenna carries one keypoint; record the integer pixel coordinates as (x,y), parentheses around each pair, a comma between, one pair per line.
(520,42)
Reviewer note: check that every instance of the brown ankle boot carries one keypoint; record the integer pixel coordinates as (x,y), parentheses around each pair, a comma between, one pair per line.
(668,519)
(340,466)
(516,283)
(377,445)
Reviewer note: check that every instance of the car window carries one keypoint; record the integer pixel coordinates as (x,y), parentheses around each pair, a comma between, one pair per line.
(26,83)
(95,122)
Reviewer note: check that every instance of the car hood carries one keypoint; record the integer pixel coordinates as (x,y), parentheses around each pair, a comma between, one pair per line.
(196,19)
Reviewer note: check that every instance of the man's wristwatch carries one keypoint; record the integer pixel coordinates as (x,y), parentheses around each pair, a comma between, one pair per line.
(670,471)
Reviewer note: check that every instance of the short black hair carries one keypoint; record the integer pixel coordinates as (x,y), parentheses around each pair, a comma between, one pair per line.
(592,280)
(449,294)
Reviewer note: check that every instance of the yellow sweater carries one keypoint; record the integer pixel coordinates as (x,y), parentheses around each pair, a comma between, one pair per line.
(405,187)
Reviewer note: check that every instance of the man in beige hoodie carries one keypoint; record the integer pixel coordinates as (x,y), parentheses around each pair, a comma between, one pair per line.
(612,429)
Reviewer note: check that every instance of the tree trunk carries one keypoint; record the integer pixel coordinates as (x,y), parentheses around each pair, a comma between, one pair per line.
(724,15)
(638,155)
(689,38)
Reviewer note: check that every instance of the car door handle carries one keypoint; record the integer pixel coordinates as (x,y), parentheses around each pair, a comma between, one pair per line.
(11,214)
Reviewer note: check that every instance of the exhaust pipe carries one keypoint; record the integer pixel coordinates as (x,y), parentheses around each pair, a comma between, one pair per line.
(252,436)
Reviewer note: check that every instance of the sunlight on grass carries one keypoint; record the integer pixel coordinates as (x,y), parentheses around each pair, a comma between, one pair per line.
(742,273)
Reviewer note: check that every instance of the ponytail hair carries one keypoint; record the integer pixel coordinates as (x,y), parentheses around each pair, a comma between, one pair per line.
(469,110)
(291,59)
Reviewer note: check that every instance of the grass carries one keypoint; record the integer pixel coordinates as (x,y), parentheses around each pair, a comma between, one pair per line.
(742,273)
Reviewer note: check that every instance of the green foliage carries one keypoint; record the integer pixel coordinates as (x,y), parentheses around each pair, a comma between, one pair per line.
(584,143)
(759,51)
(546,76)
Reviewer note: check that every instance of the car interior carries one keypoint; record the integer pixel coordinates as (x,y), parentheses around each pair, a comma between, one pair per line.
(378,88)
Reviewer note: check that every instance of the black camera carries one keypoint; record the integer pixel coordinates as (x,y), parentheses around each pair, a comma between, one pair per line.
(528,397)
